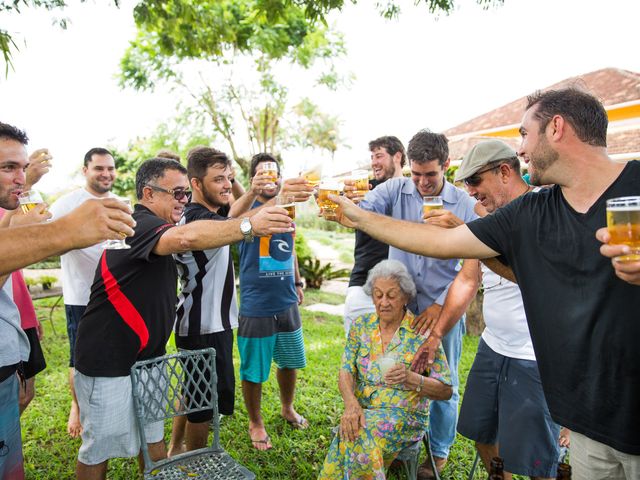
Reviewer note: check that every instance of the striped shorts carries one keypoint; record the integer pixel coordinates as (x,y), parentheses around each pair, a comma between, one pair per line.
(262,340)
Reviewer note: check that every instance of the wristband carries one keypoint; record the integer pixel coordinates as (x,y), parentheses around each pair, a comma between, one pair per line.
(299,284)
(232,181)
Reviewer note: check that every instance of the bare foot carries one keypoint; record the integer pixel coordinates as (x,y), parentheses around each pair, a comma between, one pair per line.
(259,438)
(74,428)
(176,449)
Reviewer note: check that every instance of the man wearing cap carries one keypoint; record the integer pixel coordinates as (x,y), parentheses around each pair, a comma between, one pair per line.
(402,198)
(504,410)
(581,301)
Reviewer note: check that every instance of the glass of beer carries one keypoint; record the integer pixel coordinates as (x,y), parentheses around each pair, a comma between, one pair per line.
(29,199)
(120,243)
(288,202)
(328,207)
(361,179)
(270,169)
(312,174)
(623,223)
(431,203)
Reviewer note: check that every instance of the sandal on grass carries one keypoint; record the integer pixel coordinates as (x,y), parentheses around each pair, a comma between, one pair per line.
(266,442)
(300,423)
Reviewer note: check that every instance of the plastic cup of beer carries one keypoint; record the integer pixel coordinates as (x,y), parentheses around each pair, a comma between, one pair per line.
(288,202)
(386,362)
(361,179)
(623,223)
(120,243)
(328,207)
(431,203)
(29,199)
(313,174)
(271,170)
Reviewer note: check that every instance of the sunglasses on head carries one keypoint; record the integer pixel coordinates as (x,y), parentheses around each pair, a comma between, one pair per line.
(475,179)
(177,193)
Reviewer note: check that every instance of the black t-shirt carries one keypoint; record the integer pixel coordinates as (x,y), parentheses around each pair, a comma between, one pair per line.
(584,321)
(366,253)
(132,304)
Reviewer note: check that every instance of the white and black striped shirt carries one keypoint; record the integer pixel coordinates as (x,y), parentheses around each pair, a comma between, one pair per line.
(207,300)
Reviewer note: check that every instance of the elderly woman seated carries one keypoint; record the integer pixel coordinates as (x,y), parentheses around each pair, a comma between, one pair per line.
(386,406)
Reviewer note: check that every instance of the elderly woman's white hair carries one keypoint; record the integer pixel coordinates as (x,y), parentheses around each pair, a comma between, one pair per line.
(391,269)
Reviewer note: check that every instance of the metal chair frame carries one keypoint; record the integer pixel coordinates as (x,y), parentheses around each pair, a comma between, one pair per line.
(173,385)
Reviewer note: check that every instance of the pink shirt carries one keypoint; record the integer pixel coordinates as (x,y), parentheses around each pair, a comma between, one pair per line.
(22,297)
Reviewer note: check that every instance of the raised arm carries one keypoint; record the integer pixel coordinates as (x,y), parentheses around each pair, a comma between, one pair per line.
(418,238)
(92,222)
(205,234)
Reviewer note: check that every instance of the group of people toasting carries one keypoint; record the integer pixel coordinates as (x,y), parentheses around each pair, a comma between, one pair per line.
(560,296)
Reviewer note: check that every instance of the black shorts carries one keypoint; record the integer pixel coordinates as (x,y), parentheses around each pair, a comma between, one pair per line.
(222,342)
(36,362)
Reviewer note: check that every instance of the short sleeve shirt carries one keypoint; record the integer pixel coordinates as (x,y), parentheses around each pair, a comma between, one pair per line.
(78,266)
(367,253)
(267,282)
(132,305)
(207,300)
(399,198)
(584,321)
(361,358)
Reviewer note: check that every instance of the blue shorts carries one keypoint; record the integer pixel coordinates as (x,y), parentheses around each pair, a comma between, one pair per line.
(504,403)
(262,340)
(74,314)
(11,462)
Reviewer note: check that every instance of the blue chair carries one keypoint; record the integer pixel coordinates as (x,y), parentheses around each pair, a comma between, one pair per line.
(173,385)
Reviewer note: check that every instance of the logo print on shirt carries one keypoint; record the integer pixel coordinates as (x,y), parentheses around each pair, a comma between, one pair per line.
(276,259)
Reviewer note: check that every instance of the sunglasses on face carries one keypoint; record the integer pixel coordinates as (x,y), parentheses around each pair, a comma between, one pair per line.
(177,193)
(475,179)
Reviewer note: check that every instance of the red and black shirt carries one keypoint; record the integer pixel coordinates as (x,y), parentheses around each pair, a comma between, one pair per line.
(132,305)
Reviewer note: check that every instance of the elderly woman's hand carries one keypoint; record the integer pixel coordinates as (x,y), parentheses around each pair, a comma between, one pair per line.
(352,420)
(396,375)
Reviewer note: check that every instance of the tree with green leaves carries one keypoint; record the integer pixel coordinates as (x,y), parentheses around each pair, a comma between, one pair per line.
(226,62)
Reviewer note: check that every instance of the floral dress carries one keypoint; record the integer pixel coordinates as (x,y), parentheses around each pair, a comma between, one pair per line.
(395,417)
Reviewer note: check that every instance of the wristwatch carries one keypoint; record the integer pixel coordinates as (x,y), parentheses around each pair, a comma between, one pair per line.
(419,387)
(247,231)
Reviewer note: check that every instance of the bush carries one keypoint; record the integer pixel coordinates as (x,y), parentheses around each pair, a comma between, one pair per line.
(314,273)
(46,281)
(48,263)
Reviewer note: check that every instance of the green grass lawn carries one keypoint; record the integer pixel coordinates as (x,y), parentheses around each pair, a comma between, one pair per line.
(51,454)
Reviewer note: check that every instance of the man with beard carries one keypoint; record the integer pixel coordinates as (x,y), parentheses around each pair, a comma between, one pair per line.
(207,308)
(504,410)
(582,314)
(79,266)
(269,326)
(387,160)
(402,198)
(132,309)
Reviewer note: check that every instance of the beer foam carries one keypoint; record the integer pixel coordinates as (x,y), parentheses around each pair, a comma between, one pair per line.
(624,208)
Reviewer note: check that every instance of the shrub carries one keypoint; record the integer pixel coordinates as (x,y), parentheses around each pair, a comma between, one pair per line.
(314,273)
(47,281)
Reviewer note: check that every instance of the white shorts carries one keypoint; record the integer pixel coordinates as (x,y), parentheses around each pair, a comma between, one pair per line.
(109,428)
(356,304)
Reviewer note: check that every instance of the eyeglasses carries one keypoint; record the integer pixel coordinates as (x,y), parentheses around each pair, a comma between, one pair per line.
(475,179)
(177,193)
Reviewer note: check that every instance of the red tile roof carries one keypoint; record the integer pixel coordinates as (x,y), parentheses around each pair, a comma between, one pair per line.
(611,85)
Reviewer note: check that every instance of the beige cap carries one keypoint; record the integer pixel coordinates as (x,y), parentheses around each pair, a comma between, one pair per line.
(482,154)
